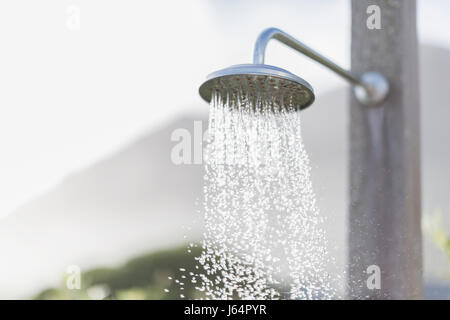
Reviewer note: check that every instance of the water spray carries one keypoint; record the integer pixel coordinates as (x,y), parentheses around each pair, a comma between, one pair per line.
(264,235)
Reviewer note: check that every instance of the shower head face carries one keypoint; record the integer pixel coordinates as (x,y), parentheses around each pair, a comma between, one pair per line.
(262,81)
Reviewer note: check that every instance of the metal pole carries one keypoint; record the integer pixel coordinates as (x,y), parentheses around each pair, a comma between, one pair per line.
(385,192)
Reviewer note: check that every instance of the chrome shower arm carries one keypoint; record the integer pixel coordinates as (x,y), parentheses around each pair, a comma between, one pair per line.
(274,33)
(371,88)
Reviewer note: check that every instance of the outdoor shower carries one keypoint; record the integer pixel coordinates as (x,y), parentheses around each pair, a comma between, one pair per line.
(264,235)
(257,79)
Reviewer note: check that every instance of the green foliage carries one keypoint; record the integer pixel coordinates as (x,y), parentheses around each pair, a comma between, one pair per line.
(434,227)
(144,277)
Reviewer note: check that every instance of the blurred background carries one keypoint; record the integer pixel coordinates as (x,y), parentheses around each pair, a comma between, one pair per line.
(91,93)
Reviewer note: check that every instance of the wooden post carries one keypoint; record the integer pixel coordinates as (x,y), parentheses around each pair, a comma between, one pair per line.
(385,193)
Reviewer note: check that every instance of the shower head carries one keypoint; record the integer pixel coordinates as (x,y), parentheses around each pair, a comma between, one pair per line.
(276,85)
(269,82)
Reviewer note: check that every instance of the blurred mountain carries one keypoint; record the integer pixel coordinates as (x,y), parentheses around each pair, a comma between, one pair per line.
(133,201)
(137,199)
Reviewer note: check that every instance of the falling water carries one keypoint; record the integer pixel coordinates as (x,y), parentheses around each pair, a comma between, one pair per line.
(263,236)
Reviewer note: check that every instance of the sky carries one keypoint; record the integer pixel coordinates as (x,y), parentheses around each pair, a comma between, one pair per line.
(74,91)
